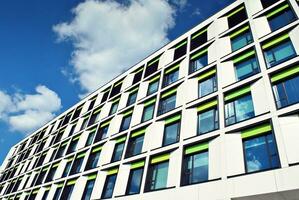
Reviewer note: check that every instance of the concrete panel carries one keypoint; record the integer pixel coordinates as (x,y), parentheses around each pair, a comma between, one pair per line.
(147,140)
(260,27)
(259,97)
(222,25)
(105,110)
(287,178)
(253,6)
(295,39)
(289,127)
(82,140)
(115,125)
(40,194)
(127,81)
(99,98)
(122,180)
(136,117)
(223,46)
(156,131)
(189,123)
(106,153)
(99,183)
(215,165)
(212,30)
(52,192)
(184,68)
(181,94)
(166,57)
(212,52)
(123,100)
(227,71)
(79,187)
(234,154)
(142,90)
(174,169)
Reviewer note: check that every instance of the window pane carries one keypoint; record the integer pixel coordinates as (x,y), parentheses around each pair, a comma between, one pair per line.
(283,18)
(199,63)
(153,87)
(135,145)
(132,98)
(113,108)
(170,78)
(67,192)
(118,152)
(57,194)
(148,113)
(66,169)
(88,190)
(206,87)
(125,123)
(247,69)
(134,183)
(241,41)
(208,121)
(109,186)
(244,108)
(160,174)
(167,104)
(171,133)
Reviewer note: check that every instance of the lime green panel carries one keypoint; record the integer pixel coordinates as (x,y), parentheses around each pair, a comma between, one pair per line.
(274,12)
(137,133)
(76,138)
(264,128)
(172,119)
(96,149)
(181,44)
(242,30)
(81,155)
(45,169)
(70,159)
(168,93)
(206,106)
(92,130)
(105,123)
(199,33)
(91,177)
(237,93)
(117,84)
(116,100)
(35,191)
(59,185)
(276,41)
(171,69)
(139,70)
(112,171)
(154,61)
(198,54)
(71,182)
(134,90)
(96,111)
(160,158)
(48,188)
(137,165)
(55,165)
(155,78)
(244,56)
(206,74)
(236,11)
(284,74)
(128,113)
(86,117)
(197,148)
(120,140)
(151,101)
(65,143)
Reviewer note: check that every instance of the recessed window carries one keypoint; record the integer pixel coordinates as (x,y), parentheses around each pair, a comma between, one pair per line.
(89,187)
(157,173)
(278,50)
(114,107)
(109,184)
(207,83)
(84,123)
(41,176)
(58,192)
(153,85)
(135,143)
(236,16)
(46,193)
(207,117)
(118,149)
(171,75)
(73,145)
(102,131)
(90,137)
(148,110)
(68,190)
(135,178)
(95,116)
(72,131)
(260,149)
(65,121)
(77,112)
(67,168)
(246,65)
(61,150)
(199,38)
(198,60)
(92,102)
(172,130)
(76,167)
(280,17)
(167,102)
(93,158)
(195,164)
(285,87)
(137,76)
(52,172)
(152,66)
(267,3)
(238,106)
(116,89)
(132,97)
(241,38)
(180,50)
(105,96)
(126,121)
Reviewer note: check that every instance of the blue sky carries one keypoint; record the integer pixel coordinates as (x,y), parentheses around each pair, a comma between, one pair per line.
(49,49)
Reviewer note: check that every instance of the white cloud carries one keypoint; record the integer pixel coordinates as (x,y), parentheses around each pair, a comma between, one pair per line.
(27,112)
(109,37)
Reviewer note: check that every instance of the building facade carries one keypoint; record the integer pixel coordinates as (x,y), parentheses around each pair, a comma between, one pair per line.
(213,115)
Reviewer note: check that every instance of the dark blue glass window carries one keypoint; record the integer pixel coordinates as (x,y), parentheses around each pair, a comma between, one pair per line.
(170,78)
(67,192)
(93,160)
(207,121)
(167,104)
(153,87)
(246,68)
(148,112)
(134,182)
(113,109)
(198,63)
(132,98)
(157,177)
(118,151)
(207,86)
(135,146)
(67,169)
(88,190)
(76,166)
(57,193)
(109,186)
(171,133)
(125,124)
(281,19)
(241,40)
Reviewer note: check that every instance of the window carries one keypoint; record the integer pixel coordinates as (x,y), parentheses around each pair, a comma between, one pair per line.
(105,96)
(207,83)
(152,66)
(95,116)
(267,3)
(90,137)
(278,50)
(76,167)
(92,102)
(171,75)
(58,192)
(41,176)
(77,112)
(285,87)
(61,150)
(116,89)
(41,160)
(167,102)
(84,123)
(46,194)
(89,187)
(52,172)
(260,149)
(198,60)
(199,38)
(148,110)
(118,149)
(114,107)
(135,178)
(72,129)
(239,108)
(280,17)
(180,50)
(33,195)
(73,145)
(158,173)
(246,65)
(172,130)
(68,190)
(138,75)
(132,97)
(126,121)
(109,184)
(67,168)
(102,131)
(93,158)
(195,164)
(241,38)
(153,85)
(135,143)
(207,117)
(237,16)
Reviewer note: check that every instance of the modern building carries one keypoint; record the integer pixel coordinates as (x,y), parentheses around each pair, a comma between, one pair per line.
(212,115)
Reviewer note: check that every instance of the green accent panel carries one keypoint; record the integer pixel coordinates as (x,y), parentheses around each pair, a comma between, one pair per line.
(59,185)
(70,159)
(242,30)
(155,78)
(19,195)
(264,128)
(197,148)
(120,140)
(91,177)
(207,105)
(172,119)
(199,33)
(236,11)
(65,143)
(149,102)
(81,155)
(169,93)
(86,117)
(55,165)
(152,62)
(275,41)
(45,153)
(137,133)
(105,124)
(71,182)
(244,56)
(284,74)
(160,158)
(237,93)
(137,165)
(134,90)
(96,149)
(274,12)
(112,171)
(76,138)
(92,130)
(171,69)
(181,44)
(139,70)
(118,83)
(45,169)
(128,113)
(206,74)
(79,107)
(116,100)
(97,110)
(198,54)
(48,188)
(35,191)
